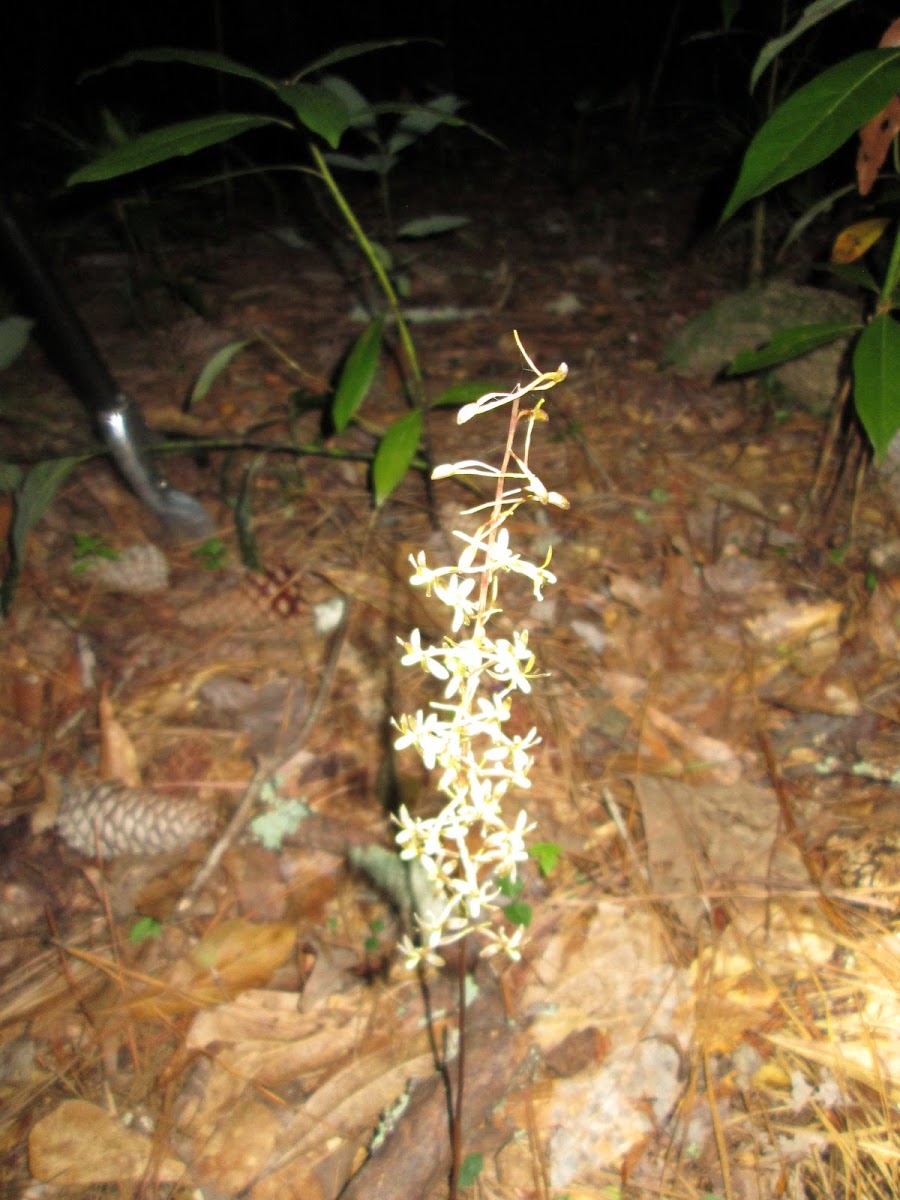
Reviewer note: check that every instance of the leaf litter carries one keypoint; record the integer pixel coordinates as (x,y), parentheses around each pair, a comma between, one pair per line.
(708,999)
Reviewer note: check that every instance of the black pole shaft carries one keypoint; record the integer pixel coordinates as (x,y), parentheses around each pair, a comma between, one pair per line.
(61,331)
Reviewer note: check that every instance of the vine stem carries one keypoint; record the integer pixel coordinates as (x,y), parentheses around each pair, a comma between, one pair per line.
(416,384)
(378,271)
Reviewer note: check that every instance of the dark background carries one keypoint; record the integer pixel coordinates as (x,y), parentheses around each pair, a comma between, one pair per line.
(521,65)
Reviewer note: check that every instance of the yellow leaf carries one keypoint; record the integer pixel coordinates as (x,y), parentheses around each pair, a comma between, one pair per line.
(852,243)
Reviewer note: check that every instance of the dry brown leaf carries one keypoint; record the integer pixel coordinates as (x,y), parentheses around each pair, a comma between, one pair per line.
(238,1148)
(708,841)
(873,1063)
(118,757)
(795,626)
(876,135)
(79,1144)
(234,956)
(296,1044)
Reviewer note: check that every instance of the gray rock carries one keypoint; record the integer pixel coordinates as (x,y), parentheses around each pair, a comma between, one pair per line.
(746,320)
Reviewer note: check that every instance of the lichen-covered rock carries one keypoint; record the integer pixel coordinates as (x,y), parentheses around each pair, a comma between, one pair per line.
(747,320)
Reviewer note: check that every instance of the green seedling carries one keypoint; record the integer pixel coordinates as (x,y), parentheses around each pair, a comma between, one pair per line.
(87,549)
(211,554)
(145,929)
(319,107)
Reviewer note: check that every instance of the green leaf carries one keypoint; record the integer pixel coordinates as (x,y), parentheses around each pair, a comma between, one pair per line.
(517,912)
(459,394)
(170,141)
(546,855)
(14,333)
(362,115)
(876,380)
(856,273)
(10,477)
(211,554)
(357,375)
(214,367)
(395,453)
(209,59)
(815,121)
(424,227)
(469,1170)
(318,108)
(36,493)
(821,206)
(354,50)
(509,887)
(812,14)
(789,343)
(33,497)
(423,118)
(144,929)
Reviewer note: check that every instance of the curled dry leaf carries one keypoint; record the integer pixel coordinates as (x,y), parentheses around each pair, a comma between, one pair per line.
(118,757)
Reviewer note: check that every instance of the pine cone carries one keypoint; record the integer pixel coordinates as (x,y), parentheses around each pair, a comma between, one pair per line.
(114,819)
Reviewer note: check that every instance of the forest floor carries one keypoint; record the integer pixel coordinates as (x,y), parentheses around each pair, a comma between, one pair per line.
(709,995)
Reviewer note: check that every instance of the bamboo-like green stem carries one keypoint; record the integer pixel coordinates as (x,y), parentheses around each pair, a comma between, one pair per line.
(378,271)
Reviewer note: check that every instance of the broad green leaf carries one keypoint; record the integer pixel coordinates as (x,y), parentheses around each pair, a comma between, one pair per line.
(352,51)
(789,343)
(318,109)
(812,14)
(459,394)
(815,121)
(214,367)
(33,497)
(357,375)
(209,59)
(876,380)
(170,141)
(394,455)
(14,333)
(424,227)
